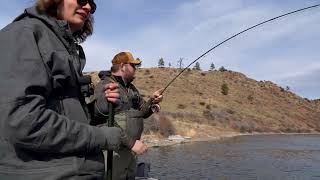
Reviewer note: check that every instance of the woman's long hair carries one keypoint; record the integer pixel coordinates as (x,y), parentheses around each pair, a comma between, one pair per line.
(50,7)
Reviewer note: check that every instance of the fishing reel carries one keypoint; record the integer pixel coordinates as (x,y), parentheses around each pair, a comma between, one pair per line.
(155,108)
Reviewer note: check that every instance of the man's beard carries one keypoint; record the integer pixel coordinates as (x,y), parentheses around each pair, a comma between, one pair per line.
(129,79)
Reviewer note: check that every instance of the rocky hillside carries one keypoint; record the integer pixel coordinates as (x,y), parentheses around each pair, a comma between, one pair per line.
(317,102)
(199,102)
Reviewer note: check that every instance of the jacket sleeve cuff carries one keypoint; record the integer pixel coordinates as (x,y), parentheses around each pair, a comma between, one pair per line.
(127,141)
(146,108)
(98,141)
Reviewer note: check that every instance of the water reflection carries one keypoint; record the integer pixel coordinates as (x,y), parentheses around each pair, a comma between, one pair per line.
(283,157)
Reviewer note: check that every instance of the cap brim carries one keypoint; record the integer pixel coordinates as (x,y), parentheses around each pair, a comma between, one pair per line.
(135,62)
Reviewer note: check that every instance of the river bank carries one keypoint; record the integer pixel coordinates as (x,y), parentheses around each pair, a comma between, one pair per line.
(196,132)
(153,141)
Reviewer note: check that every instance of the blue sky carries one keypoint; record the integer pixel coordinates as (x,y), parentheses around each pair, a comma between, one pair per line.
(285,51)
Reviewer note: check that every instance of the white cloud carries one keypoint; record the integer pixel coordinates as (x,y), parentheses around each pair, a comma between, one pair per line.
(308,84)
(297,70)
(279,51)
(98,54)
(188,34)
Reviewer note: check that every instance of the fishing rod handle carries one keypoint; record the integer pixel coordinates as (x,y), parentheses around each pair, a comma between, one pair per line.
(110,152)
(110,114)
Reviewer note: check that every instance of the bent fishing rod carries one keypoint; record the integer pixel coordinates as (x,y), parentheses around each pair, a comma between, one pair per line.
(233,36)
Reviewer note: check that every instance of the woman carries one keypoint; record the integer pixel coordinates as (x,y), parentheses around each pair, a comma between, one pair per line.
(44,124)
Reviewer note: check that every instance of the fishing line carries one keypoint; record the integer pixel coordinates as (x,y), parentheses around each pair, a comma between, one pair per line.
(235,35)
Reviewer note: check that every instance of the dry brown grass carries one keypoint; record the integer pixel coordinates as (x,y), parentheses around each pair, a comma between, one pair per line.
(250,106)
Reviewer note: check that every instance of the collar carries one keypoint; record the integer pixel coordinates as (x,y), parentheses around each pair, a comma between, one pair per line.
(60,27)
(120,80)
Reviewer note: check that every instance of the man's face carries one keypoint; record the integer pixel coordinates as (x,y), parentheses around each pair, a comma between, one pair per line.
(74,13)
(129,72)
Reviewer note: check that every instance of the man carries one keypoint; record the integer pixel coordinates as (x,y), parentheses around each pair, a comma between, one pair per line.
(130,111)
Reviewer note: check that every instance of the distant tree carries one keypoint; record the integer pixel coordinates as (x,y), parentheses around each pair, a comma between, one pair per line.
(180,63)
(224,89)
(222,69)
(169,64)
(197,66)
(288,88)
(161,63)
(212,67)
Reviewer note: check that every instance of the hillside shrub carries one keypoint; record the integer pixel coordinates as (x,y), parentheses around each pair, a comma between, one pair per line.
(199,93)
(289,130)
(213,105)
(202,103)
(165,126)
(181,106)
(208,115)
(222,69)
(182,115)
(230,111)
(306,131)
(224,89)
(246,127)
(147,72)
(150,125)
(159,124)
(177,115)
(250,98)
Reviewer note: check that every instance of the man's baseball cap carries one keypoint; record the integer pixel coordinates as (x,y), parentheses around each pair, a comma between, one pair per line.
(125,57)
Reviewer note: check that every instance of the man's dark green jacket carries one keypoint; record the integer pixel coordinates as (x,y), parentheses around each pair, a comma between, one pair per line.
(130,112)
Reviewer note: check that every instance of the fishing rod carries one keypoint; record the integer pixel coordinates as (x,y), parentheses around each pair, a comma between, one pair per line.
(235,35)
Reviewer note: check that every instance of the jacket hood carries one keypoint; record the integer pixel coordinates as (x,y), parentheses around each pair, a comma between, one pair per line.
(103,74)
(106,74)
(59,27)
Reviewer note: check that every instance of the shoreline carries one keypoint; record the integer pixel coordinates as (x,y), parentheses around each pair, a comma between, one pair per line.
(155,143)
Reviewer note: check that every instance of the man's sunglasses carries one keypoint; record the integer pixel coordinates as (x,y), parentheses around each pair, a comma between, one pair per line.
(134,66)
(91,3)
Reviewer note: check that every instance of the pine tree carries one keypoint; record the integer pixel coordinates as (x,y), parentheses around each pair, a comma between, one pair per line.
(288,88)
(161,63)
(212,67)
(197,66)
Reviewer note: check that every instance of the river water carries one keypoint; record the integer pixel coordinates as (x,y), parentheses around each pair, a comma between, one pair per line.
(263,157)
